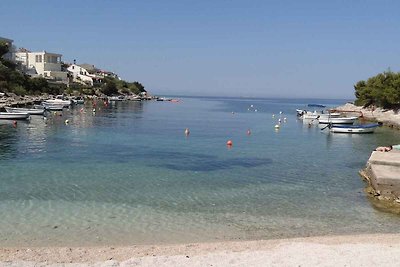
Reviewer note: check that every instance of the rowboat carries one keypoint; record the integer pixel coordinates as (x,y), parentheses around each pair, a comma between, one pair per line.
(30,111)
(337,120)
(13,116)
(366,128)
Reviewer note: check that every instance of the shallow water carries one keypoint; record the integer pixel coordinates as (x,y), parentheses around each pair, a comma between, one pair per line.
(127,174)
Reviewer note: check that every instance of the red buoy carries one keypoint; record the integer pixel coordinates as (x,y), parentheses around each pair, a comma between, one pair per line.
(229,143)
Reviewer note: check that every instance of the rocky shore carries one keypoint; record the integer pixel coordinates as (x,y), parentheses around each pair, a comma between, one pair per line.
(20,100)
(387,117)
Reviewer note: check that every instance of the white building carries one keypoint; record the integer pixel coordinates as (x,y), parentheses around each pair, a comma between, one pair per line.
(11,49)
(47,65)
(80,74)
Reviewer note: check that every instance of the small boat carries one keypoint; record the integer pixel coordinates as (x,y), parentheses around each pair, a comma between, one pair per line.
(316,105)
(78,100)
(116,98)
(53,107)
(366,128)
(300,112)
(30,111)
(337,120)
(59,100)
(13,116)
(316,115)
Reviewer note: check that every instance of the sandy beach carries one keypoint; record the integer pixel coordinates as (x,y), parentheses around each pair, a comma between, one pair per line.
(362,250)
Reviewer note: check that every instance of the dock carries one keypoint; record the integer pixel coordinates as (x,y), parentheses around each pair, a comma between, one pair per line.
(383,175)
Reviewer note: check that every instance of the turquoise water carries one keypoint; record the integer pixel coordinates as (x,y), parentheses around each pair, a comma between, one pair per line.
(127,174)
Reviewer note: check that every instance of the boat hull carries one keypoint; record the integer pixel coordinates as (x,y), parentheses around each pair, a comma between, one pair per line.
(13,116)
(25,110)
(343,120)
(354,129)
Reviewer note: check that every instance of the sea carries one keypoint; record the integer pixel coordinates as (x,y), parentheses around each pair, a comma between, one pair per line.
(127,174)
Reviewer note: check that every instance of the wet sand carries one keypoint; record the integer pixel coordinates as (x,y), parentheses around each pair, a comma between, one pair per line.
(362,250)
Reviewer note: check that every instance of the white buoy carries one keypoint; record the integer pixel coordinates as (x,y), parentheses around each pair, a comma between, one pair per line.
(273,115)
(66,122)
(251,106)
(255,110)
(277,126)
(280,112)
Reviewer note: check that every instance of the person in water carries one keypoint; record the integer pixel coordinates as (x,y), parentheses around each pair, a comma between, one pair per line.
(387,148)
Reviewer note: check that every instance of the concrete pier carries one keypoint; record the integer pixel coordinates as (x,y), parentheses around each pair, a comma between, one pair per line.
(383,174)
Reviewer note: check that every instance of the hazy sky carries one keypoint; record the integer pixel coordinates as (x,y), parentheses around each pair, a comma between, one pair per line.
(237,48)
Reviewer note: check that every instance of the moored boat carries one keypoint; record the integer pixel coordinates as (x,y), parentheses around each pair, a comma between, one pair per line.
(366,128)
(31,111)
(53,107)
(316,115)
(13,116)
(337,120)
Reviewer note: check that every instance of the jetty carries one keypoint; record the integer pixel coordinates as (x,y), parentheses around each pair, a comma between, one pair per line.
(383,175)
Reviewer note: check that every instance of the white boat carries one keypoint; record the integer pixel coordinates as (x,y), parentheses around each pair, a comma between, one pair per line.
(366,128)
(316,115)
(337,120)
(59,100)
(53,107)
(30,111)
(116,98)
(13,116)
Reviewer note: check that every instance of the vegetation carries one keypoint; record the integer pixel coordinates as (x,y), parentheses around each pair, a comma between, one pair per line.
(13,81)
(382,90)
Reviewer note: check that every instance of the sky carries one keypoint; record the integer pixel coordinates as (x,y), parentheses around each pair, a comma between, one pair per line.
(282,48)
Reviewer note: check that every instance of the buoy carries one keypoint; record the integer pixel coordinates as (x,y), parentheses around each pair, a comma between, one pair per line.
(279,120)
(248,132)
(251,106)
(284,119)
(66,121)
(55,112)
(15,123)
(255,110)
(229,143)
(233,112)
(273,115)
(81,109)
(277,126)
(94,110)
(280,112)
(187,132)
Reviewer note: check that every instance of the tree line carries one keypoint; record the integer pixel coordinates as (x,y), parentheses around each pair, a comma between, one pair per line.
(382,90)
(14,81)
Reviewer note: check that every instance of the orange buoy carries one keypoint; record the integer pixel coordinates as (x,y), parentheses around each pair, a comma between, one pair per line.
(229,143)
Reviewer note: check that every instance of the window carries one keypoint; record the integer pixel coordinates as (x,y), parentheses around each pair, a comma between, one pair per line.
(38,58)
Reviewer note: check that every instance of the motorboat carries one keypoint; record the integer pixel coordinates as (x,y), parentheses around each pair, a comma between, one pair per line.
(316,105)
(53,107)
(78,100)
(358,129)
(116,98)
(14,116)
(337,120)
(30,111)
(59,100)
(316,115)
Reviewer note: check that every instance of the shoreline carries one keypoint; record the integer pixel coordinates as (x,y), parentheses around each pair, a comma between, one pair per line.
(366,249)
(387,117)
